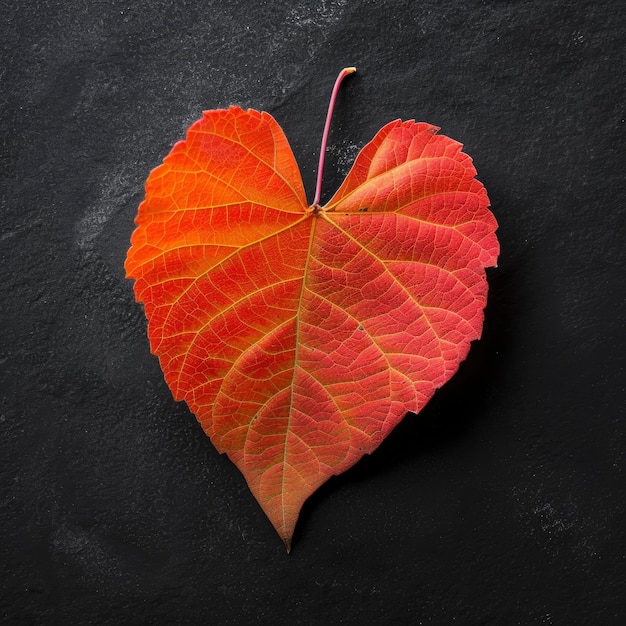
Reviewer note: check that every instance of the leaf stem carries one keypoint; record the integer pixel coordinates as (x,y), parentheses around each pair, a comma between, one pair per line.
(320,169)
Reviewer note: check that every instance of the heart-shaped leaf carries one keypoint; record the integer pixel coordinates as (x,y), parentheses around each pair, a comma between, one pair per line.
(301,335)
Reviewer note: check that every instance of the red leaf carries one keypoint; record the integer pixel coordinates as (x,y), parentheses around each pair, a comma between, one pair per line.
(301,335)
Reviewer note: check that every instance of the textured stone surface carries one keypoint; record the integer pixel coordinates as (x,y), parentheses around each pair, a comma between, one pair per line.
(502,502)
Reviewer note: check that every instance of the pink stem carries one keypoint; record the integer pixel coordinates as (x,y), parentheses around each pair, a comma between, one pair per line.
(320,169)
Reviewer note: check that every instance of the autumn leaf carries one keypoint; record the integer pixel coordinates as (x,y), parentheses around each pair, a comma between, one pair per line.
(300,335)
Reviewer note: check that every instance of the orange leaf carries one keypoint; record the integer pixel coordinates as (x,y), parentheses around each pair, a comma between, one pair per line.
(301,335)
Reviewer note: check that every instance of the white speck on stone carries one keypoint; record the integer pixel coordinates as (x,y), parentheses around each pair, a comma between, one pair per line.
(344,153)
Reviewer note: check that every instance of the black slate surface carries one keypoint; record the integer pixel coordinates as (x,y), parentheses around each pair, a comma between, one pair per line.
(503,502)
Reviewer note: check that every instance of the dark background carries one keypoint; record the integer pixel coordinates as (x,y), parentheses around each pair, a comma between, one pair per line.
(503,502)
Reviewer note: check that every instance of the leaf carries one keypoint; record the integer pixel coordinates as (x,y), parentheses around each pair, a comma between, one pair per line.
(301,335)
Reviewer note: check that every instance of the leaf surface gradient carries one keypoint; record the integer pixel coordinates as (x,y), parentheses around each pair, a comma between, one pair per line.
(301,335)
